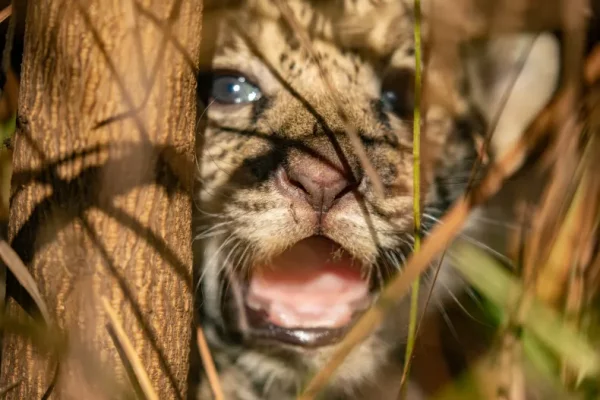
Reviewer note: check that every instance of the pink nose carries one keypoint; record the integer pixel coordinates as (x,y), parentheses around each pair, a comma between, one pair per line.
(315,182)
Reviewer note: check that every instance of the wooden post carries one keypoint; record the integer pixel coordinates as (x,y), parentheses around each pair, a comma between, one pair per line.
(101,209)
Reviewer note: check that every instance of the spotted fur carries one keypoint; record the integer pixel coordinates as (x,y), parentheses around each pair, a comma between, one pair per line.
(241,217)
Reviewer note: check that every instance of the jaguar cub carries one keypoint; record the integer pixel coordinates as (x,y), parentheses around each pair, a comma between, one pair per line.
(294,241)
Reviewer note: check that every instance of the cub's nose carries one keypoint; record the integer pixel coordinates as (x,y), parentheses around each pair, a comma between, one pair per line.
(315,182)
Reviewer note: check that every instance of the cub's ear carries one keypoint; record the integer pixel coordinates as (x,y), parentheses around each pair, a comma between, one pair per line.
(510,79)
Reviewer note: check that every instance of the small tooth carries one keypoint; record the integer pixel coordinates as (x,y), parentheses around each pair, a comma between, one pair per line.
(309,308)
(358,291)
(327,282)
(279,315)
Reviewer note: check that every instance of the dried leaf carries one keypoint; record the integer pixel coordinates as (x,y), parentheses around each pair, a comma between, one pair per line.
(132,362)
(21,273)
(209,365)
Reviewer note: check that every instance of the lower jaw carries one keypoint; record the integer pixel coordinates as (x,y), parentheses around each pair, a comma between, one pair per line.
(262,331)
(254,327)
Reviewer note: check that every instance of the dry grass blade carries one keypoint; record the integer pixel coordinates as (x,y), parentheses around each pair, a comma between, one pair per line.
(132,362)
(10,387)
(19,270)
(5,13)
(370,171)
(209,366)
(414,301)
(569,238)
(581,230)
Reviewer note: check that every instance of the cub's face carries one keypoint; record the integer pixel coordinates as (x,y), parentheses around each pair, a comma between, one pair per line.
(295,240)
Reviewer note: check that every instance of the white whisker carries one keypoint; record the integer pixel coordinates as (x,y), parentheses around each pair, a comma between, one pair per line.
(472,240)
(208,214)
(243,258)
(208,235)
(450,255)
(211,227)
(482,219)
(213,258)
(447,320)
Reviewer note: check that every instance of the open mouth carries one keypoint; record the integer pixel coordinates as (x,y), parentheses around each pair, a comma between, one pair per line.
(310,295)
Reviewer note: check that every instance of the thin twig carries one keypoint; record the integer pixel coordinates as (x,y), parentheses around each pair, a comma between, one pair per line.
(5,13)
(209,365)
(128,351)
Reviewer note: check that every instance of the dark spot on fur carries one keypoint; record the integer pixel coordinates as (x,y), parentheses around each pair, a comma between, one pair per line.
(250,206)
(312,26)
(386,139)
(389,172)
(210,177)
(290,37)
(258,108)
(382,116)
(367,141)
(238,146)
(391,139)
(294,44)
(253,172)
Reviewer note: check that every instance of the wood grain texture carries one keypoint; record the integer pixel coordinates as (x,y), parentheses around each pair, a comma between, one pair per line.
(103,164)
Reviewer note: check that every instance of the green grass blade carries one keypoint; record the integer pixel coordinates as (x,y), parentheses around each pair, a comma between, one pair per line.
(545,324)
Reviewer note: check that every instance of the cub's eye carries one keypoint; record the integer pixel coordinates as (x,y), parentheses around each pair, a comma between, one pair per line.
(233,89)
(389,99)
(397,93)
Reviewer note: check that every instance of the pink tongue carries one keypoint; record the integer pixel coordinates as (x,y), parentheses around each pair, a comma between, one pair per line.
(308,287)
